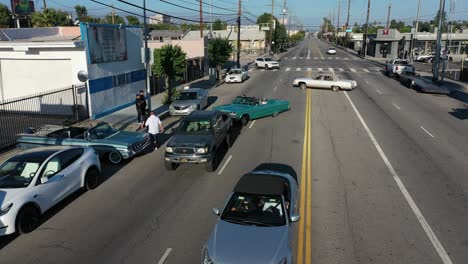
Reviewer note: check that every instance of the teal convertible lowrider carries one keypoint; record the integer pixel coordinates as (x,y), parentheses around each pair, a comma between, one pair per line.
(111,144)
(245,108)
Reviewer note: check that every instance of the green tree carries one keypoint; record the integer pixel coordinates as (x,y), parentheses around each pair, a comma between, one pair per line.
(280,35)
(50,18)
(170,64)
(81,12)
(133,20)
(114,19)
(185,26)
(219,51)
(265,18)
(5,16)
(219,25)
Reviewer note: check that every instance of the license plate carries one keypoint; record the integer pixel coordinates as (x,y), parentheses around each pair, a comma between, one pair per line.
(183,160)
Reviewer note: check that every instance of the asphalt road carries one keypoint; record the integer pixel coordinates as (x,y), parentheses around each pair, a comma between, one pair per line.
(383,179)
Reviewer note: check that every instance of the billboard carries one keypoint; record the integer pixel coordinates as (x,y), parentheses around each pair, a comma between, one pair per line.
(106,44)
(22,7)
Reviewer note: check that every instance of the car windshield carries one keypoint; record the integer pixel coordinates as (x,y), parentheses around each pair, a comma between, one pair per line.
(101,131)
(237,71)
(401,62)
(245,100)
(17,174)
(187,96)
(331,48)
(268,59)
(195,127)
(259,210)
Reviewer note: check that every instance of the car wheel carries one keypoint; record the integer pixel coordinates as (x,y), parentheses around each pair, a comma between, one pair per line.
(27,220)
(244,120)
(303,86)
(210,166)
(275,114)
(91,179)
(114,157)
(335,88)
(170,166)
(267,67)
(256,65)
(408,84)
(198,107)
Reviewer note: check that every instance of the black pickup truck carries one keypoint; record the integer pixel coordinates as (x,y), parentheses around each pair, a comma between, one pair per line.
(198,139)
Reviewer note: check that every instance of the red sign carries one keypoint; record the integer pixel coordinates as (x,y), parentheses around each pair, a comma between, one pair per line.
(385,32)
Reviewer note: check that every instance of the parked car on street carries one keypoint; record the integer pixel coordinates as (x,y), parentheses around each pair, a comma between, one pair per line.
(33,181)
(198,139)
(111,144)
(331,51)
(425,57)
(245,108)
(188,101)
(327,81)
(257,220)
(421,84)
(396,66)
(236,75)
(267,63)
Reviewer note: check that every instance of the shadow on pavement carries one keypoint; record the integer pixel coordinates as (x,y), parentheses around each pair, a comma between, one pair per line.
(283,168)
(460,113)
(211,100)
(458,93)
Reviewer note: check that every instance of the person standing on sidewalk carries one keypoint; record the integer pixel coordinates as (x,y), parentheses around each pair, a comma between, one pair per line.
(140,104)
(154,127)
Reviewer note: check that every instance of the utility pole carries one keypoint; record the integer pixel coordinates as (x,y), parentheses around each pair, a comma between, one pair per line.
(415,35)
(338,21)
(211,20)
(435,65)
(347,24)
(388,16)
(448,39)
(284,10)
(45,4)
(239,12)
(147,66)
(289,23)
(113,14)
(201,18)
(367,28)
(272,26)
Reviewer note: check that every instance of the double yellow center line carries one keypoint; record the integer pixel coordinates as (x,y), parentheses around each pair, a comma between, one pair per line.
(304,247)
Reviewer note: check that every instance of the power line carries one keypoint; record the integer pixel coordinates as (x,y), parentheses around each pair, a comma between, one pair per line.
(220,7)
(188,8)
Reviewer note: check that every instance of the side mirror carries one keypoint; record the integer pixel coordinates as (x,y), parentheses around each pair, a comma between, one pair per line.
(44,180)
(295,217)
(216,211)
(87,135)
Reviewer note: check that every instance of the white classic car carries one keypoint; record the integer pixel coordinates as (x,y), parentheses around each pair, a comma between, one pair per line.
(326,80)
(236,75)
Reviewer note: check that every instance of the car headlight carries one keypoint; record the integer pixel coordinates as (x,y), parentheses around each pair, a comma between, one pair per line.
(202,150)
(169,149)
(5,209)
(171,106)
(192,106)
(206,258)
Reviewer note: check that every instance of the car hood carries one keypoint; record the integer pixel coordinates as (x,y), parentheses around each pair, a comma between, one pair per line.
(232,107)
(124,137)
(187,140)
(257,244)
(272,62)
(8,196)
(183,103)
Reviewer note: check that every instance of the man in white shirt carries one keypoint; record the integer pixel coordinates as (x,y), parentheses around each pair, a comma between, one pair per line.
(154,127)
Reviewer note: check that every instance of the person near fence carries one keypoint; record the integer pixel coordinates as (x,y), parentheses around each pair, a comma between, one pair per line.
(140,104)
(154,125)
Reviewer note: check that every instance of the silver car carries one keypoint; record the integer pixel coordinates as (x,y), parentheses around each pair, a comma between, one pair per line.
(188,101)
(236,75)
(256,223)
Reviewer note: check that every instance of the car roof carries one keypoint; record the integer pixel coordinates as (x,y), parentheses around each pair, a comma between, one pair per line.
(262,184)
(38,154)
(191,90)
(201,114)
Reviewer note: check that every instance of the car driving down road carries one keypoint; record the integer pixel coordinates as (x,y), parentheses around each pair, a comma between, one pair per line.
(236,75)
(325,80)
(331,51)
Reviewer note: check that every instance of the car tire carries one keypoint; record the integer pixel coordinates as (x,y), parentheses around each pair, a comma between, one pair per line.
(408,83)
(275,114)
(211,165)
(256,65)
(303,86)
(114,157)
(27,219)
(170,166)
(335,88)
(267,67)
(244,120)
(198,107)
(91,179)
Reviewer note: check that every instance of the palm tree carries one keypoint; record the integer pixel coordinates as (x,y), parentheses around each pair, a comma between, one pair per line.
(47,18)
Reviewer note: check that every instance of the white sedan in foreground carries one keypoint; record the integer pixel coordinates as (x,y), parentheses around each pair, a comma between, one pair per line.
(236,75)
(33,181)
(327,81)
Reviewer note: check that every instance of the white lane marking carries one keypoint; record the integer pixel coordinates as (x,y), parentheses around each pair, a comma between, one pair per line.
(366,70)
(251,70)
(300,58)
(294,58)
(315,58)
(352,69)
(164,257)
(262,70)
(298,69)
(425,130)
(419,216)
(275,69)
(226,163)
(288,69)
(308,58)
(331,69)
(308,53)
(341,69)
(274,90)
(251,124)
(309,69)
(322,58)
(286,58)
(366,81)
(378,91)
(329,58)
(346,58)
(397,107)
(320,69)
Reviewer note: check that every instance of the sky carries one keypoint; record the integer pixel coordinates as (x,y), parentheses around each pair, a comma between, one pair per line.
(308,13)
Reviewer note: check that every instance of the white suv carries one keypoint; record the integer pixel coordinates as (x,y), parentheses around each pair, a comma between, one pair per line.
(267,63)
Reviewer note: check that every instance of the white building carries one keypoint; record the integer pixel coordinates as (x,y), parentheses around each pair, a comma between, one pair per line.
(159,19)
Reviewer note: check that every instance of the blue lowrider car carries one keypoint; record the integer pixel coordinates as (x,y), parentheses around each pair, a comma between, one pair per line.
(111,144)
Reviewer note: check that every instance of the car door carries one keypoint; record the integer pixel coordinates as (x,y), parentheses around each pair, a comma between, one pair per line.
(205,98)
(61,178)
(218,129)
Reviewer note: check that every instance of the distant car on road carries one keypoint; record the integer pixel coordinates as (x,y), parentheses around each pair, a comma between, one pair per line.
(188,101)
(327,81)
(33,181)
(110,143)
(267,63)
(236,75)
(331,51)
(396,66)
(245,108)
(198,139)
(256,224)
(425,57)
(415,81)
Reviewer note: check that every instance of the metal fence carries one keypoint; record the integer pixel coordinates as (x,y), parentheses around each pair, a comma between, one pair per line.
(57,107)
